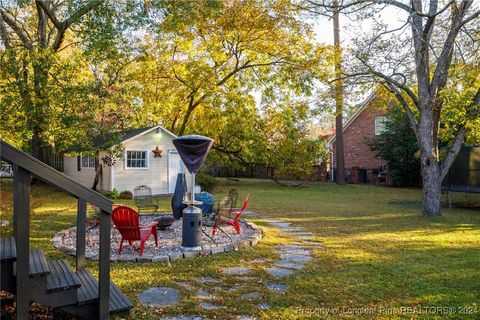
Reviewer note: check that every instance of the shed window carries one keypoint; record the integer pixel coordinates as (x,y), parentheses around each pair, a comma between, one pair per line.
(137,159)
(380,125)
(87,162)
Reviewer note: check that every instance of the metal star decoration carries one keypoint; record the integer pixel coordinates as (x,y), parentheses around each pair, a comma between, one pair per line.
(157,153)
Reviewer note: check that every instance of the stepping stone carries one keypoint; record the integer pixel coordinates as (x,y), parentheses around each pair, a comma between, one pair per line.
(207,279)
(263,306)
(244,318)
(300,252)
(293,229)
(300,233)
(276,287)
(279,273)
(251,295)
(279,224)
(202,294)
(183,318)
(185,285)
(236,271)
(289,265)
(288,247)
(209,306)
(159,297)
(295,257)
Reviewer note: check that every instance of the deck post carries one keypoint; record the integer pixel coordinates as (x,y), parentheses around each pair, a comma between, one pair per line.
(104,266)
(21,215)
(81,230)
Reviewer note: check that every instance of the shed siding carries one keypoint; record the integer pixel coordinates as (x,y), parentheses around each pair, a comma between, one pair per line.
(156,176)
(85,176)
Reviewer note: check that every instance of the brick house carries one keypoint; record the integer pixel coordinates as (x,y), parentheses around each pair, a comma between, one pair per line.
(361,166)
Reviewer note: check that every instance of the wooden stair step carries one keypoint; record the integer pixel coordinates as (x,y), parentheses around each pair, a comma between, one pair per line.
(37,264)
(88,292)
(8,249)
(61,277)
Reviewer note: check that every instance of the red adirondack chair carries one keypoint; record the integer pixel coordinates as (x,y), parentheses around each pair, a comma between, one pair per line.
(237,212)
(127,222)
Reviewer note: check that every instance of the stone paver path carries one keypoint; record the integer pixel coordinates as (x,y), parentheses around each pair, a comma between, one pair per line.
(159,297)
(207,290)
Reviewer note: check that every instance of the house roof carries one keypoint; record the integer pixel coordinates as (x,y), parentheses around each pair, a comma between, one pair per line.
(134,133)
(357,113)
(126,136)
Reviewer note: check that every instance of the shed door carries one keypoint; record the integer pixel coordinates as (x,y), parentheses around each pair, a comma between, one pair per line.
(174,168)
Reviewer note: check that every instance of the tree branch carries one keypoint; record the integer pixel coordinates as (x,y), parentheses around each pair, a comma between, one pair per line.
(42,26)
(4,34)
(443,63)
(17,29)
(389,79)
(49,13)
(72,19)
(406,107)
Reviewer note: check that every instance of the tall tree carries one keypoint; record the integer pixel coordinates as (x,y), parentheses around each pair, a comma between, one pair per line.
(339,141)
(61,64)
(33,49)
(434,42)
(223,50)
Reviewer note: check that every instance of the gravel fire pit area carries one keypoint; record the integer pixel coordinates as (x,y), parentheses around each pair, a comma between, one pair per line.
(169,242)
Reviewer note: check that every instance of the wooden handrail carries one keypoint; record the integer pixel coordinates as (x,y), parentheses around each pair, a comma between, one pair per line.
(50,175)
(25,166)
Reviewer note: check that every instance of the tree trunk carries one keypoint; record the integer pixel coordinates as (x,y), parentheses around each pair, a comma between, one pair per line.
(431,188)
(340,153)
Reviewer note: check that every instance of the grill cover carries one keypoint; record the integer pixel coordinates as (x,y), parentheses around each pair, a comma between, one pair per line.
(193,150)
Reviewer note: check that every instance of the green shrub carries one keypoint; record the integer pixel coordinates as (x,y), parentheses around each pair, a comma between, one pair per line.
(112,194)
(126,195)
(206,181)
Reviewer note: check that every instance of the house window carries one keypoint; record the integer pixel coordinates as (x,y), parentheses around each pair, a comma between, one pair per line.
(137,159)
(380,125)
(87,162)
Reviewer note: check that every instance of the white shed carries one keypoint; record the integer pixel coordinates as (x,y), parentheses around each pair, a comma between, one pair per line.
(149,158)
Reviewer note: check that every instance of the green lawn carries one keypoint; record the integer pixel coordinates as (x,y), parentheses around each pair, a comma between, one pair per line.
(379,252)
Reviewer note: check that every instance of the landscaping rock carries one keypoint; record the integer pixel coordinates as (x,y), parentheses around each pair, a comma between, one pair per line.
(295,257)
(202,294)
(263,306)
(216,250)
(280,224)
(207,279)
(236,271)
(145,258)
(289,265)
(175,256)
(163,258)
(279,273)
(159,297)
(182,318)
(276,287)
(190,254)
